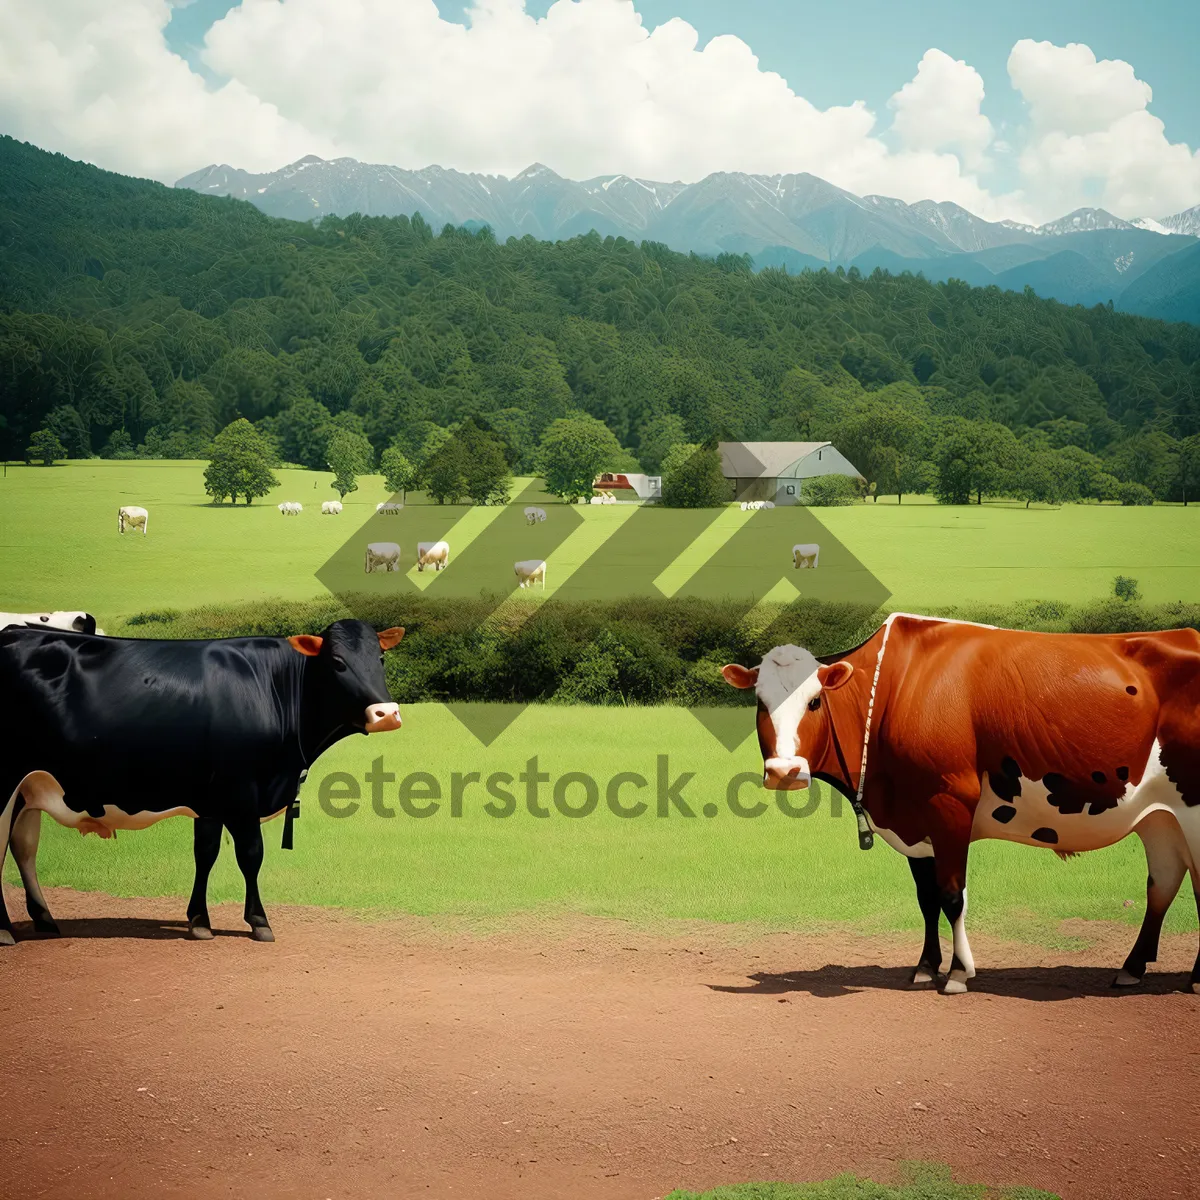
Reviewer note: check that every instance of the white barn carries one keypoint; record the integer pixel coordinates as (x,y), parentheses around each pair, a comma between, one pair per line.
(777,470)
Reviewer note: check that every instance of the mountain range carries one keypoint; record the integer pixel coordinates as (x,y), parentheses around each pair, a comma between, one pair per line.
(796,221)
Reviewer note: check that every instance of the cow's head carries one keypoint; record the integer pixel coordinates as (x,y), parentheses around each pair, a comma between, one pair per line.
(348,660)
(793,727)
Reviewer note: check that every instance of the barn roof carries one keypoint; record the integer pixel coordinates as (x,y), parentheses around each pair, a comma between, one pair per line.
(749,460)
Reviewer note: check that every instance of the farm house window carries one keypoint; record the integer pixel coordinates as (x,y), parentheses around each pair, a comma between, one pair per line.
(791,489)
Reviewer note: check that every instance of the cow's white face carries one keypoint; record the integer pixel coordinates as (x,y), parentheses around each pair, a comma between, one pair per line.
(788,683)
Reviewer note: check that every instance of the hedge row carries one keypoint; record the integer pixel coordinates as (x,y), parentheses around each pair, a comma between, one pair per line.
(632,651)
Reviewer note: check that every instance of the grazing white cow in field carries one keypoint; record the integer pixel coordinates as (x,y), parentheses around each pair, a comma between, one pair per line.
(73,622)
(805,555)
(389,508)
(382,554)
(290,508)
(530,571)
(134,517)
(432,554)
(331,508)
(534,515)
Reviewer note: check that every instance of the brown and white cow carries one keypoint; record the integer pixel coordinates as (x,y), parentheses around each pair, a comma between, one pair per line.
(948,732)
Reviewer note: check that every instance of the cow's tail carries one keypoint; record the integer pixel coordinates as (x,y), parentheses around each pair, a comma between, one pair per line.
(1065,854)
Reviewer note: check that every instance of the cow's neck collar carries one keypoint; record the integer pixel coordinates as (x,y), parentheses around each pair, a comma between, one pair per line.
(859,703)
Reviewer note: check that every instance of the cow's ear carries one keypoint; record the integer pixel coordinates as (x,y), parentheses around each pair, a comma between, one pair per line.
(834,675)
(740,677)
(389,637)
(306,643)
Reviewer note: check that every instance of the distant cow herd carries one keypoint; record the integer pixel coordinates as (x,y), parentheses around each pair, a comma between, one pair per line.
(386,556)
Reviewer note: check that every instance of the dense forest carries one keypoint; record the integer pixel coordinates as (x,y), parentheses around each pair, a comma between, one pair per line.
(135,318)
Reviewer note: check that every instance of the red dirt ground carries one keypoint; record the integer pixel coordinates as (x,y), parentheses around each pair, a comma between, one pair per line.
(576,1058)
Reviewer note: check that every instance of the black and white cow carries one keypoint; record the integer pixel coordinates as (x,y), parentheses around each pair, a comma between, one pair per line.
(113,733)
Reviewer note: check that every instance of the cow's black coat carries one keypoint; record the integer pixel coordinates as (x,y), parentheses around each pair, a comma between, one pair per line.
(223,727)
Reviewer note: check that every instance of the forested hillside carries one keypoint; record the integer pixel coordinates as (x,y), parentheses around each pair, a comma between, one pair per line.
(134,315)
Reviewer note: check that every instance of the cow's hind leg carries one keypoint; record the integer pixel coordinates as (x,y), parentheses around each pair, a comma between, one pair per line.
(7,815)
(248,846)
(1166,866)
(27,828)
(930,902)
(206,845)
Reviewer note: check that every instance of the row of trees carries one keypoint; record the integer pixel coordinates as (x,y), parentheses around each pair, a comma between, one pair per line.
(136,319)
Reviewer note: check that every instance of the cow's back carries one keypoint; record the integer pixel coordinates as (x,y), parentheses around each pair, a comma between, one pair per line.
(1079,708)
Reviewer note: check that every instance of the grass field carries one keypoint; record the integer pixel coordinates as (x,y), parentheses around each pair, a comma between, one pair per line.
(771,870)
(61,549)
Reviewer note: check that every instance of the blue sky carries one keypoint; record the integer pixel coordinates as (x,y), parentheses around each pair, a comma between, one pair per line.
(834,53)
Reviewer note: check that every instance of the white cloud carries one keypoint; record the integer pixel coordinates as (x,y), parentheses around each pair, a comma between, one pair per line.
(939,109)
(588,90)
(1093,139)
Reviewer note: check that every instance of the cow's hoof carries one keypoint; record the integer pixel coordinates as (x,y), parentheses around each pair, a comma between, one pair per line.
(47,926)
(1195,986)
(1124,979)
(262,933)
(922,978)
(954,987)
(6,938)
(201,933)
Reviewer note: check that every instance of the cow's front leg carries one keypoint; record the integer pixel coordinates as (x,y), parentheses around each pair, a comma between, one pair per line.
(951,840)
(206,845)
(929,900)
(27,828)
(248,845)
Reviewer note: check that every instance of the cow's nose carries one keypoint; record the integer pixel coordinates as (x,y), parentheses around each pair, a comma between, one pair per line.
(785,774)
(382,717)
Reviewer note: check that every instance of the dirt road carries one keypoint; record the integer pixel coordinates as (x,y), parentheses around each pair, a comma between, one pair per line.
(576,1058)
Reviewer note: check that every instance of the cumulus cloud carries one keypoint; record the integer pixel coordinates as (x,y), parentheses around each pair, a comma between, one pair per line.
(588,89)
(1093,140)
(939,109)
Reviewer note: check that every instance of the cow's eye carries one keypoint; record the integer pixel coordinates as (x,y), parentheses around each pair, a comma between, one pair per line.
(814,704)
(339,663)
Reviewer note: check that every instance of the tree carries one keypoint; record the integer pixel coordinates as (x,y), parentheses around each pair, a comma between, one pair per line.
(1189,465)
(1134,495)
(573,452)
(1126,589)
(974,458)
(1041,479)
(398,473)
(241,464)
(692,478)
(659,435)
(488,477)
(886,436)
(43,445)
(68,426)
(119,445)
(348,456)
(444,475)
(302,430)
(829,491)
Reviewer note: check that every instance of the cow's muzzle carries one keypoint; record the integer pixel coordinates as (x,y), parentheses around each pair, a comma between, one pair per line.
(382,717)
(786,774)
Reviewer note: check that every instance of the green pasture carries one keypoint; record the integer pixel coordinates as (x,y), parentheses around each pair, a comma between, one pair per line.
(920,1181)
(771,870)
(60,546)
